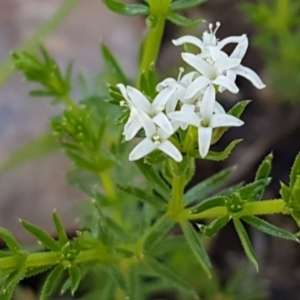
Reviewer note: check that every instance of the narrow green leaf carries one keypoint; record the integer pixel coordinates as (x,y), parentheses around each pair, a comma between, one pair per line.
(11,282)
(41,93)
(119,279)
(112,65)
(209,203)
(134,284)
(295,195)
(170,276)
(239,108)
(51,282)
(268,228)
(154,179)
(126,9)
(220,156)
(75,276)
(265,168)
(148,82)
(295,171)
(60,229)
(46,240)
(216,225)
(285,192)
(158,232)
(180,20)
(102,230)
(10,240)
(253,190)
(204,188)
(82,162)
(184,4)
(143,196)
(36,271)
(196,247)
(245,242)
(42,146)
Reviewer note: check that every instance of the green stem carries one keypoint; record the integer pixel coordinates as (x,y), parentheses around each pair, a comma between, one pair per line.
(108,186)
(156,25)
(45,259)
(176,203)
(265,207)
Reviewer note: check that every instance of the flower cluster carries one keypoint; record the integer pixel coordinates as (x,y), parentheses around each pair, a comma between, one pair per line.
(191,99)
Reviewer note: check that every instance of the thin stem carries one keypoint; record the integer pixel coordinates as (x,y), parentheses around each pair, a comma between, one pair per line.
(156,25)
(176,203)
(108,185)
(265,207)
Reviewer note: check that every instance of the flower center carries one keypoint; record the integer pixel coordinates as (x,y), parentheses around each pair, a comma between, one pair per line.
(156,139)
(205,123)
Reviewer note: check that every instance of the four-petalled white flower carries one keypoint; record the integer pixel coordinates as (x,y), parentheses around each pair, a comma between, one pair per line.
(205,120)
(141,107)
(156,138)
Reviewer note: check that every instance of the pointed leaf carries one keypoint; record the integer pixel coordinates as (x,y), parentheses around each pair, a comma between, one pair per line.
(75,276)
(222,155)
(119,279)
(295,171)
(285,193)
(170,276)
(10,240)
(11,282)
(60,229)
(52,281)
(253,190)
(295,195)
(143,196)
(112,65)
(216,225)
(46,240)
(184,4)
(239,108)
(268,228)
(154,179)
(180,20)
(36,271)
(196,247)
(204,188)
(265,168)
(245,242)
(134,284)
(209,203)
(126,9)
(157,232)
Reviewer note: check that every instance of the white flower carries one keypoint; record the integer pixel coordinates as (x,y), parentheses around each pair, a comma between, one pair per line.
(213,72)
(141,108)
(180,86)
(205,120)
(211,52)
(156,138)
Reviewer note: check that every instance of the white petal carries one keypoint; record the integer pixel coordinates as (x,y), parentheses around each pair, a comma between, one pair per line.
(166,82)
(188,107)
(162,98)
(168,148)
(225,120)
(163,122)
(142,149)
(188,78)
(230,39)
(227,83)
(218,108)
(241,48)
(132,128)
(185,117)
(204,140)
(196,86)
(138,99)
(214,52)
(171,104)
(226,64)
(198,63)
(250,75)
(208,102)
(123,91)
(147,123)
(188,39)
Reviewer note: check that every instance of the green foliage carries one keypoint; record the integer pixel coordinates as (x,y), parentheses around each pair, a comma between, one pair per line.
(184,4)
(45,71)
(126,9)
(180,20)
(278,38)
